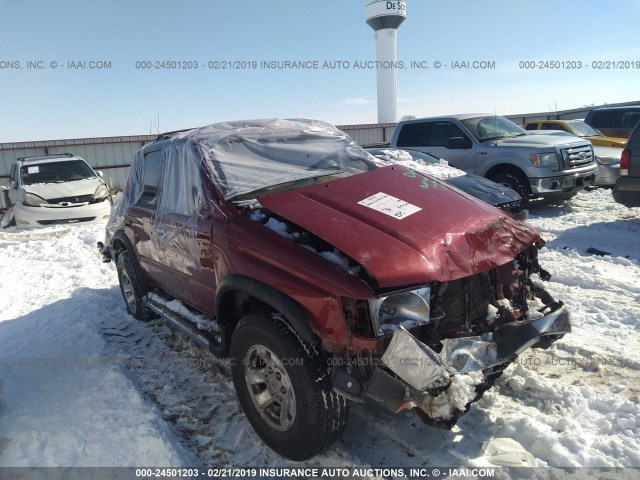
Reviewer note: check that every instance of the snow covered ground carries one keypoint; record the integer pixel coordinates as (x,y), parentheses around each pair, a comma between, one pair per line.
(84,384)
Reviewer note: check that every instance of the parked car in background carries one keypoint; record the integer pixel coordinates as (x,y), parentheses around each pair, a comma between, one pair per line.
(627,188)
(326,278)
(578,128)
(482,188)
(547,166)
(607,159)
(614,121)
(58,188)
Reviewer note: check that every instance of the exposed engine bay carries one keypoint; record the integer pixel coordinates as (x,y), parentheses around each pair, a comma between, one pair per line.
(441,344)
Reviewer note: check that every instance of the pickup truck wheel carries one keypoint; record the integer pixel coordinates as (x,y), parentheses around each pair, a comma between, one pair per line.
(284,387)
(514,182)
(132,291)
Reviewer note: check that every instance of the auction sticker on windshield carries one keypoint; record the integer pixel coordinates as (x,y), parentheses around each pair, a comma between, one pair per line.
(389,205)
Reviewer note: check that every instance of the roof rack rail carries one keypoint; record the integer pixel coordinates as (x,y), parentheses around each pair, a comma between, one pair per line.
(166,135)
(46,155)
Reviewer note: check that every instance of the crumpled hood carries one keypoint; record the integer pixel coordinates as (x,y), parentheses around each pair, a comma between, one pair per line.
(76,188)
(484,189)
(429,232)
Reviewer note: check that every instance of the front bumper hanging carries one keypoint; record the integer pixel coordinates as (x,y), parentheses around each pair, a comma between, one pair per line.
(417,375)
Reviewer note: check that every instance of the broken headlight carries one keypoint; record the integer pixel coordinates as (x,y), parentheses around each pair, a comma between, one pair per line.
(101,193)
(407,309)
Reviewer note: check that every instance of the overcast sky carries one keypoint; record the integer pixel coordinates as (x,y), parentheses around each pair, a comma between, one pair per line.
(63,102)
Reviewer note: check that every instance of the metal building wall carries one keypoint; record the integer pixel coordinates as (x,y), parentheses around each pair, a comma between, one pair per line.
(370,133)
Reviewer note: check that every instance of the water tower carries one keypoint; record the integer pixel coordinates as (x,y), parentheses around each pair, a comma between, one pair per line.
(385,17)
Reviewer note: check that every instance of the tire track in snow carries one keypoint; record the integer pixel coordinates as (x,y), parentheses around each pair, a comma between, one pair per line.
(194,392)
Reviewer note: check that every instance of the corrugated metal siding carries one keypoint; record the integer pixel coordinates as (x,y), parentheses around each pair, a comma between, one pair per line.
(368,134)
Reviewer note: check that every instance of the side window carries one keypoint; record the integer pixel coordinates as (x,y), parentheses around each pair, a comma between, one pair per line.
(182,192)
(606,119)
(552,126)
(12,175)
(433,134)
(415,135)
(630,119)
(531,126)
(441,132)
(150,179)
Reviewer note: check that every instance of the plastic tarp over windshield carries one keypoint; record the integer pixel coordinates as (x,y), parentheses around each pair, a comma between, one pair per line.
(246,157)
(236,159)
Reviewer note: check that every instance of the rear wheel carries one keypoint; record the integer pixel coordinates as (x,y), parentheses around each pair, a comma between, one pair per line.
(514,182)
(284,387)
(132,289)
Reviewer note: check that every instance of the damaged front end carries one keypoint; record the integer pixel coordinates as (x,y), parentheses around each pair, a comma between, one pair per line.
(445,344)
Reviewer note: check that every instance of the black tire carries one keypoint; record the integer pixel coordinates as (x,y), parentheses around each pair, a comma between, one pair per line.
(514,182)
(132,288)
(318,415)
(8,219)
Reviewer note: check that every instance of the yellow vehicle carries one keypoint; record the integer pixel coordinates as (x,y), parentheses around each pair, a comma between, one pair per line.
(579,129)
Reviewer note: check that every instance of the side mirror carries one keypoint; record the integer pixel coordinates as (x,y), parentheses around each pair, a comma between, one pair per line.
(457,143)
(100,174)
(13,184)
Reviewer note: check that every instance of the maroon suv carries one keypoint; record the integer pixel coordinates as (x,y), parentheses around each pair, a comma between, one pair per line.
(325,277)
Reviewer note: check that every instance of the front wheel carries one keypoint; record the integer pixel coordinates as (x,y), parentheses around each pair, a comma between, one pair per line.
(284,387)
(132,289)
(8,219)
(514,182)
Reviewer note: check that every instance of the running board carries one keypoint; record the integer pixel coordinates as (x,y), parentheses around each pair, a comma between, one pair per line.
(177,322)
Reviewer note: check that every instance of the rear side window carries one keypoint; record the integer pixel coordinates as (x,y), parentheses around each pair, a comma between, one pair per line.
(434,134)
(606,118)
(150,180)
(630,119)
(531,126)
(415,135)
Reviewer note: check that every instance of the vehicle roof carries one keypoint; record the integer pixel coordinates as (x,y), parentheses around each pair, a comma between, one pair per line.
(457,116)
(51,158)
(573,120)
(629,107)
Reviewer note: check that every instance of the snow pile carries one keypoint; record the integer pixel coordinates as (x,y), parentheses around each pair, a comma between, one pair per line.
(335,256)
(461,391)
(492,314)
(441,170)
(66,401)
(202,322)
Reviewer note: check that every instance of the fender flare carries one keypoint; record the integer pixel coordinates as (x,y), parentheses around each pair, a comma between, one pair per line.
(284,304)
